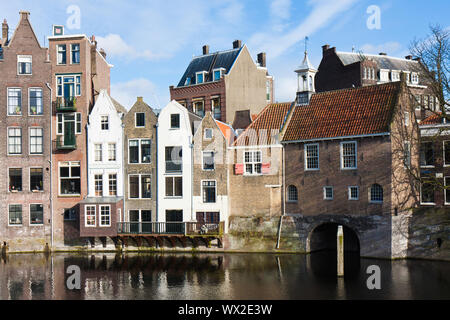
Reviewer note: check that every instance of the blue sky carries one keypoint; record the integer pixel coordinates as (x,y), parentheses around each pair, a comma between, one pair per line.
(150,43)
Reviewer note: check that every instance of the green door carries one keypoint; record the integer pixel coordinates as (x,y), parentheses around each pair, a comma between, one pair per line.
(69,134)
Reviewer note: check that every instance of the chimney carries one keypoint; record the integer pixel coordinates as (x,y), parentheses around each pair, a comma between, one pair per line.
(383,54)
(140,99)
(418,59)
(408,57)
(205,49)
(237,44)
(103,53)
(262,59)
(325,48)
(5,31)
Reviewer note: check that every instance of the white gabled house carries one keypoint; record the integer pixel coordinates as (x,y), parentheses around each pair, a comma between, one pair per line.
(176,128)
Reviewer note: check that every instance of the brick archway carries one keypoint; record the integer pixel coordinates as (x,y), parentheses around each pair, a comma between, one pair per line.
(322,236)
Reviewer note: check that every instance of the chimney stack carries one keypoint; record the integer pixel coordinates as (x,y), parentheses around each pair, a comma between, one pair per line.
(237,44)
(205,49)
(418,59)
(383,54)
(262,59)
(325,48)
(408,57)
(5,31)
(103,53)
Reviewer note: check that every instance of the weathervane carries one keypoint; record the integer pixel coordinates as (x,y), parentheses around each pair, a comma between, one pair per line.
(306,44)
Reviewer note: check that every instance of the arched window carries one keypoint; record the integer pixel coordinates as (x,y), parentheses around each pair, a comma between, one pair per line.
(376,193)
(292,194)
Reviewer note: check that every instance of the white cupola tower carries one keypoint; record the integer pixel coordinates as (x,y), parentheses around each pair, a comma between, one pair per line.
(305,81)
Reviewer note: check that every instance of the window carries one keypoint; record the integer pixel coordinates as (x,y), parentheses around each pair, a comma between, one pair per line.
(140,154)
(175,121)
(70,214)
(353,193)
(200,77)
(36,179)
(208,160)
(104,122)
(328,193)
(395,76)
(98,185)
(75,49)
(447,190)
(174,159)
(218,73)
(415,78)
(15,179)
(14,140)
(14,101)
(140,186)
(269,89)
(376,193)
(252,162)
(426,154)
(447,154)
(188,81)
(407,118)
(174,186)
(407,154)
(111,152)
(36,140)
(208,134)
(199,108)
(112,184)
(62,56)
(24,64)
(68,86)
(105,216)
(70,178)
(35,102)
(36,214)
(70,122)
(427,193)
(90,216)
(98,152)
(348,155)
(208,217)
(140,119)
(216,109)
(15,214)
(209,191)
(292,194)
(312,156)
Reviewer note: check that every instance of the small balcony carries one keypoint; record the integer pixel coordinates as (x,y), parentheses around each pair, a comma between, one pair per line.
(66,143)
(66,104)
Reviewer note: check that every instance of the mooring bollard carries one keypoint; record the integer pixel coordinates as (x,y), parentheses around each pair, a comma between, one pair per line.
(340,252)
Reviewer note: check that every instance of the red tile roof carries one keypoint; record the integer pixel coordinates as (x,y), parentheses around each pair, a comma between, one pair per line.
(433,119)
(227,131)
(265,128)
(347,112)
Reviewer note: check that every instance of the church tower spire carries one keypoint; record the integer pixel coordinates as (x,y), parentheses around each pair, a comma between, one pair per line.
(305,79)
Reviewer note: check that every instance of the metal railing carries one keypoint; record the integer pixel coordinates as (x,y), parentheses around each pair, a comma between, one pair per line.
(170,228)
(66,104)
(65,143)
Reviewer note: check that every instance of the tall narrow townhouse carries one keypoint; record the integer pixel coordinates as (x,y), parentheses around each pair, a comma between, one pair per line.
(176,129)
(139,169)
(102,208)
(211,175)
(79,72)
(25,149)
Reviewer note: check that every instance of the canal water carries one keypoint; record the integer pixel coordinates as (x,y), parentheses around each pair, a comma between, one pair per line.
(217,276)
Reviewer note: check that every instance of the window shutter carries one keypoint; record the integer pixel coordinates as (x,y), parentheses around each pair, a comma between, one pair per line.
(239,168)
(265,168)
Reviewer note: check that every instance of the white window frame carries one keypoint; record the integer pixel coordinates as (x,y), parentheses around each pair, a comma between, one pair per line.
(7,102)
(203,163)
(71,52)
(57,54)
(102,122)
(434,155)
(350,193)
(139,175)
(414,78)
(100,215)
(135,120)
(23,57)
(205,135)
(96,150)
(194,103)
(325,193)
(215,190)
(8,175)
(29,178)
(252,163)
(306,157)
(21,223)
(29,141)
(426,203)
(222,72)
(76,84)
(173,177)
(342,155)
(71,164)
(112,148)
(21,141)
(77,120)
(179,121)
(102,184)
(29,102)
(29,215)
(86,216)
(139,150)
(109,183)
(204,77)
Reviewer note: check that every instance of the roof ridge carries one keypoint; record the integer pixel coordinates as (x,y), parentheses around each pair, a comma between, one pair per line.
(377,55)
(392,83)
(214,53)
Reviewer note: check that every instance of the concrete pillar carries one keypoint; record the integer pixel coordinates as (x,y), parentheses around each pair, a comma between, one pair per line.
(340,252)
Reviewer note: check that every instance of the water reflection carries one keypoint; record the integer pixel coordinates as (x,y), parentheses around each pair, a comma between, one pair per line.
(217,276)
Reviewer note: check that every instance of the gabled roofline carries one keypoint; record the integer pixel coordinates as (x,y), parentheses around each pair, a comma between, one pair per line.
(32,30)
(338,138)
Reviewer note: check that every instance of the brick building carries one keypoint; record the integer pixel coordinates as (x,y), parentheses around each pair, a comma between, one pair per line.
(79,72)
(224,83)
(139,159)
(340,70)
(25,149)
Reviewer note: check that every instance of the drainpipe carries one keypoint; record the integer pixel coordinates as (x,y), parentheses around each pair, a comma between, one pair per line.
(124,145)
(51,166)
(156,170)
(192,180)
(284,199)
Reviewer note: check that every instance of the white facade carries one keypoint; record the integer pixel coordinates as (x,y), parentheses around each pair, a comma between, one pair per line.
(178,135)
(105,148)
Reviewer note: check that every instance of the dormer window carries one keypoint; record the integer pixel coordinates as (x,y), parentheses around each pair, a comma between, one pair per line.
(415,78)
(395,76)
(218,73)
(24,64)
(188,81)
(200,77)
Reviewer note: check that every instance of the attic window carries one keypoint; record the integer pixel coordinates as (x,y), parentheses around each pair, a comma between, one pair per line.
(24,64)
(188,81)
(218,73)
(200,77)
(415,78)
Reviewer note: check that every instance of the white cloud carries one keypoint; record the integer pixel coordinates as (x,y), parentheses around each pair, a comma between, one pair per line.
(127,92)
(280,9)
(322,13)
(391,48)
(115,46)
